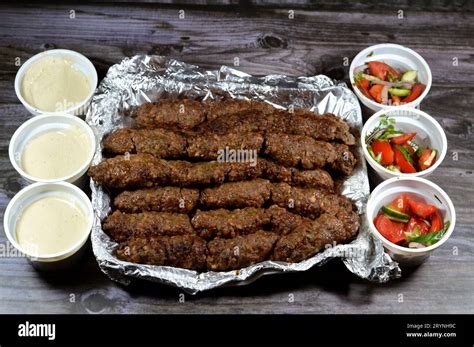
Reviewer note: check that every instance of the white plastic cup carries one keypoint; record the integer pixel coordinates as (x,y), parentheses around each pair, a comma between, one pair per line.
(399,57)
(388,191)
(34,192)
(41,124)
(429,133)
(80,62)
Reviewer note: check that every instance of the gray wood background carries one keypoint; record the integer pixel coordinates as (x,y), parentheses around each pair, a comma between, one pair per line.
(266,41)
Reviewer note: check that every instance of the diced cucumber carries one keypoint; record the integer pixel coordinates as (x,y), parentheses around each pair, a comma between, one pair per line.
(399,92)
(409,76)
(395,215)
(393,168)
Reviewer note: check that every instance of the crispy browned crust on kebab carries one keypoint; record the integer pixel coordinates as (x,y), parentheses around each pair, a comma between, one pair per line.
(253,193)
(183,251)
(161,143)
(225,223)
(345,162)
(159,199)
(133,171)
(241,116)
(121,226)
(145,170)
(298,150)
(182,114)
(309,202)
(241,251)
(311,237)
(210,146)
(316,178)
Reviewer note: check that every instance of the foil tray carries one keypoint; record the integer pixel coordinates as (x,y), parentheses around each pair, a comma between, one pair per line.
(145,78)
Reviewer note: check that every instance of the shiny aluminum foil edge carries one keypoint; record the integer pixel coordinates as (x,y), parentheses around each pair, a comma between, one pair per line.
(145,78)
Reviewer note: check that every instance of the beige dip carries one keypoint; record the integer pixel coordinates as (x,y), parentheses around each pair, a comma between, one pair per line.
(50,225)
(53,84)
(56,153)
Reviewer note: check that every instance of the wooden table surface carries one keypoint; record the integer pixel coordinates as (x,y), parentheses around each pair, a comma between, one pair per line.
(318,39)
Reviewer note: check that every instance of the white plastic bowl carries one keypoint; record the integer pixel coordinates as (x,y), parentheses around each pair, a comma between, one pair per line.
(388,191)
(32,193)
(399,57)
(40,124)
(428,134)
(80,62)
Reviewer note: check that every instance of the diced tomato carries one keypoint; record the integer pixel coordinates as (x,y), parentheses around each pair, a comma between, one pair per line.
(400,204)
(393,74)
(402,138)
(404,165)
(386,150)
(381,70)
(396,100)
(427,159)
(376,92)
(421,209)
(415,222)
(436,222)
(392,231)
(415,92)
(364,88)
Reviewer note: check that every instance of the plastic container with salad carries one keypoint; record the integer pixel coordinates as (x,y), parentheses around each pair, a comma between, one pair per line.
(410,222)
(411,216)
(387,75)
(403,142)
(387,85)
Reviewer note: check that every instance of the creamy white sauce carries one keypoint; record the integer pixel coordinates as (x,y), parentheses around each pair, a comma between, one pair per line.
(53,84)
(50,225)
(57,153)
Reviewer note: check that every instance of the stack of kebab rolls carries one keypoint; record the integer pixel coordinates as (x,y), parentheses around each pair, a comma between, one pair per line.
(177,203)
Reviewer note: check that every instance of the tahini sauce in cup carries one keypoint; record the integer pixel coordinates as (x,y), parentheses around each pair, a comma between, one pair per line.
(56,153)
(50,225)
(53,84)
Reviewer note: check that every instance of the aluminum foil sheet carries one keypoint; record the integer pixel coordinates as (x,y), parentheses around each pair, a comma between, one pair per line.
(144,78)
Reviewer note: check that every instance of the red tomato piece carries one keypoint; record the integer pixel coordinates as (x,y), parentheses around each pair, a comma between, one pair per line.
(394,74)
(392,231)
(399,140)
(376,92)
(402,163)
(427,159)
(364,88)
(415,92)
(400,204)
(380,70)
(415,222)
(421,209)
(385,149)
(436,222)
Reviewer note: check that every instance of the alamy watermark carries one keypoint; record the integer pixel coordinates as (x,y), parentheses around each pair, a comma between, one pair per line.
(231,155)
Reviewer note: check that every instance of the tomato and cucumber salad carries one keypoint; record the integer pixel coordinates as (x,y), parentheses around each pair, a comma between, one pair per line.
(397,150)
(408,222)
(386,85)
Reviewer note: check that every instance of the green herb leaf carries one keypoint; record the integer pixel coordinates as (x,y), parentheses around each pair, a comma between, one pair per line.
(432,238)
(358,76)
(413,235)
